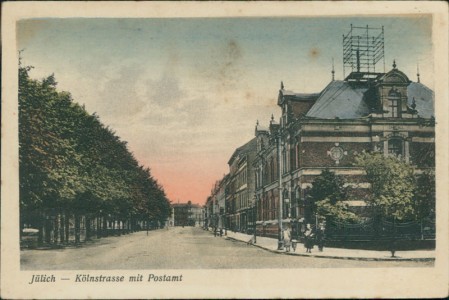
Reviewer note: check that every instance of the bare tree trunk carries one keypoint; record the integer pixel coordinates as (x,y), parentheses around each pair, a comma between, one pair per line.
(77,228)
(105,226)
(56,228)
(98,227)
(62,229)
(67,226)
(40,238)
(21,228)
(48,230)
(88,228)
(118,225)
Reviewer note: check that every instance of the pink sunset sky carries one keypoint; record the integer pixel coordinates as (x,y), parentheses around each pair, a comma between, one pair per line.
(185,93)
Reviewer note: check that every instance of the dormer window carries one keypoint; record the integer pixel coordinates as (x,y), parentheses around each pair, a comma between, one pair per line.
(394,103)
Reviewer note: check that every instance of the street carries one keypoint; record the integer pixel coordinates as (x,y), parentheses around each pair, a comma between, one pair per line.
(179,248)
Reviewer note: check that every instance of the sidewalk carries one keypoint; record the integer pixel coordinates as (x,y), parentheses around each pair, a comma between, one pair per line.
(270,244)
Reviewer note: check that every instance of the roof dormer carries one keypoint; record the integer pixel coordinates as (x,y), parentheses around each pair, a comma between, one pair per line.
(392,89)
(394,77)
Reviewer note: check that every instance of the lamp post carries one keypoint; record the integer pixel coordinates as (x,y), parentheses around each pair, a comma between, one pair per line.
(255,217)
(256,184)
(278,144)
(225,218)
(260,184)
(226,225)
(218,216)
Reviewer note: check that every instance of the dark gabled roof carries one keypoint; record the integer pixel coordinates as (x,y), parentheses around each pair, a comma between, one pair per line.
(355,97)
(296,97)
(340,99)
(424,99)
(249,146)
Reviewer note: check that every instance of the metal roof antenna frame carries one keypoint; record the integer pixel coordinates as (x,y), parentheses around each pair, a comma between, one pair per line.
(363,48)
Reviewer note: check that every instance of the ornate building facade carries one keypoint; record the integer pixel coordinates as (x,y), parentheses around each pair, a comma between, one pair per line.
(366,111)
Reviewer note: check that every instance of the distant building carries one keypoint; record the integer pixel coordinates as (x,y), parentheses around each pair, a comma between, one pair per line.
(216,204)
(240,214)
(187,214)
(231,203)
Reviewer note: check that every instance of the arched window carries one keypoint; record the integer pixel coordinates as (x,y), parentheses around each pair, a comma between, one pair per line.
(394,103)
(286,204)
(298,194)
(265,174)
(275,168)
(293,158)
(265,207)
(299,201)
(297,155)
(284,161)
(395,147)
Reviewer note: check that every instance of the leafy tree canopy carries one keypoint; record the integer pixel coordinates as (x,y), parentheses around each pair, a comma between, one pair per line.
(425,195)
(327,186)
(392,185)
(338,211)
(70,160)
(326,193)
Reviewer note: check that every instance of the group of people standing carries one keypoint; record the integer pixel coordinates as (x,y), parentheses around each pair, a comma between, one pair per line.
(218,231)
(310,238)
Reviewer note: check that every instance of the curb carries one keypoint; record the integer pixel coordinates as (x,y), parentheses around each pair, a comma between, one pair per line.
(423,259)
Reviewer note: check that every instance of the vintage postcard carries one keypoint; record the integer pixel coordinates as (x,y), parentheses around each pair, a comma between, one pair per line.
(224,150)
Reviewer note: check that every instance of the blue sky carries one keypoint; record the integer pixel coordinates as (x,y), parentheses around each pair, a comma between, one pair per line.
(186,92)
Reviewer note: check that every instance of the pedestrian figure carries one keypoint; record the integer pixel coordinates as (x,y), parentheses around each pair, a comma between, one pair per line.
(308,239)
(215,231)
(221,232)
(287,239)
(393,246)
(320,238)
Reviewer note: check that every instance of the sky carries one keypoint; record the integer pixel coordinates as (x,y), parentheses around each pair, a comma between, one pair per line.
(185,93)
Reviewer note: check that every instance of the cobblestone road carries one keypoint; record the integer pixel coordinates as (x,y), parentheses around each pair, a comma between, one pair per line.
(179,248)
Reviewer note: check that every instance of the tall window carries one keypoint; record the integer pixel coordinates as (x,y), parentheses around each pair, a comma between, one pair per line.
(286,204)
(395,147)
(284,161)
(297,155)
(394,99)
(293,158)
(265,174)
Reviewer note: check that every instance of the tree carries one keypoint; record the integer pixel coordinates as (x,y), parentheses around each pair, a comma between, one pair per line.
(392,185)
(327,186)
(71,165)
(425,195)
(325,198)
(338,212)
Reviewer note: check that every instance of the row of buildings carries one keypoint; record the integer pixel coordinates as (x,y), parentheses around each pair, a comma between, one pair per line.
(269,176)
